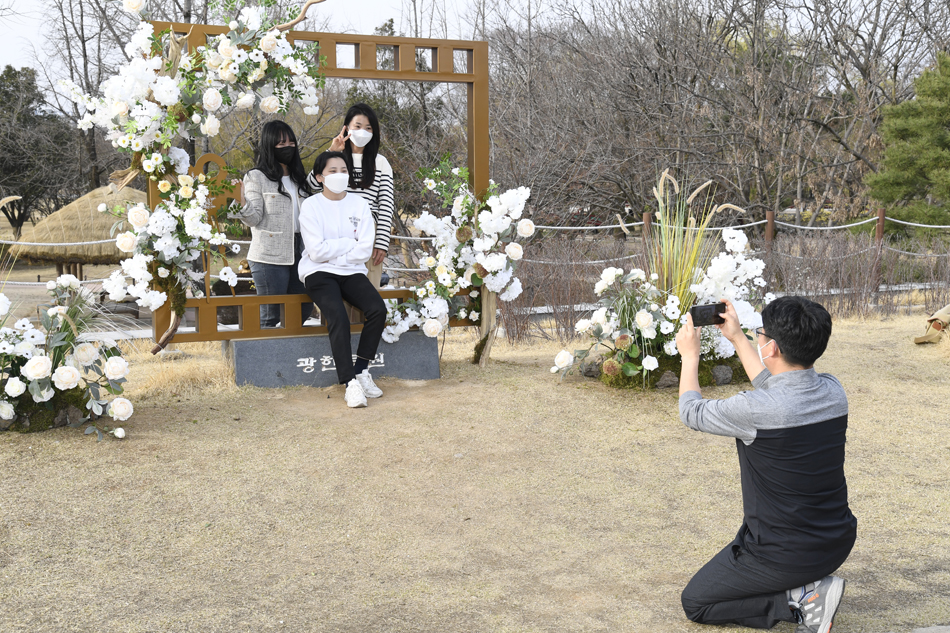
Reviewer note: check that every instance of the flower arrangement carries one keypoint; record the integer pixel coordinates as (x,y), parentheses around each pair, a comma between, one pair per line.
(165,242)
(475,248)
(637,321)
(164,93)
(46,369)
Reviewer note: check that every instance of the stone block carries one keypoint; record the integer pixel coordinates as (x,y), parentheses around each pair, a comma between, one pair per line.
(308,361)
(722,374)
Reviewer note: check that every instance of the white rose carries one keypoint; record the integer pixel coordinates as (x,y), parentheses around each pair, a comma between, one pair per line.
(246,101)
(37,367)
(133,6)
(563,359)
(56,311)
(120,409)
(650,363)
(138,217)
(211,126)
(116,368)
(526,228)
(432,328)
(582,326)
(119,432)
(514,251)
(6,410)
(643,319)
(14,387)
(65,377)
(163,272)
(211,100)
(270,105)
(125,242)
(225,49)
(268,43)
(86,354)
(45,395)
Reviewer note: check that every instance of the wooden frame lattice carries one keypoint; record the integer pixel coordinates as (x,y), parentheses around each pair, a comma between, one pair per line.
(443,69)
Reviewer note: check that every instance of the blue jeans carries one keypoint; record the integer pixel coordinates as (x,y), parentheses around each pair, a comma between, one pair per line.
(275,279)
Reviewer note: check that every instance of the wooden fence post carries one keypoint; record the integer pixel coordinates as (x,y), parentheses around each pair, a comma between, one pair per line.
(769,229)
(879,234)
(647,223)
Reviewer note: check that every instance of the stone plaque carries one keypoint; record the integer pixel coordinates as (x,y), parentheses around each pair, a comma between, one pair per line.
(307,360)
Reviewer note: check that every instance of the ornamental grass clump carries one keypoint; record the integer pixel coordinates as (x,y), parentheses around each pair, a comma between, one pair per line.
(641,311)
(55,375)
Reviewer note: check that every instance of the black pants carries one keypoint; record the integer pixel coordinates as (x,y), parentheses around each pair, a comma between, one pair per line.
(735,588)
(329,291)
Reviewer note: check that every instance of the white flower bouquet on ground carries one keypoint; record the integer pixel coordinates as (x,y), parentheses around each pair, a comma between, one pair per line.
(52,375)
(474,247)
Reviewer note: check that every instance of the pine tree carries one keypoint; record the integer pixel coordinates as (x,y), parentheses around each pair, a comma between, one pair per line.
(914,181)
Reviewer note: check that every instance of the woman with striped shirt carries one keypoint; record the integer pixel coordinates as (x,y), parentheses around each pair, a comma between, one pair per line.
(371,178)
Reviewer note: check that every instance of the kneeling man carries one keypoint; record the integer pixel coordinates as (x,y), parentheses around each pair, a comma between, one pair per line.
(790,433)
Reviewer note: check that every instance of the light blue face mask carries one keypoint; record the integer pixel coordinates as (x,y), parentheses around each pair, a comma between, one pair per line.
(759,349)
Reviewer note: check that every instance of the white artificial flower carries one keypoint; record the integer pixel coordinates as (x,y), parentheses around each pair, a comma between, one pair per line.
(525,228)
(45,395)
(650,363)
(251,17)
(125,242)
(138,217)
(210,127)
(119,433)
(24,349)
(7,411)
(599,317)
(51,285)
(513,291)
(432,327)
(116,367)
(102,208)
(600,287)
(666,327)
(637,274)
(14,387)
(56,311)
(133,6)
(120,409)
(563,359)
(23,324)
(670,348)
(268,43)
(514,251)
(211,100)
(429,183)
(37,367)
(582,326)
(649,333)
(65,377)
(643,319)
(270,105)
(473,316)
(4,304)
(245,101)
(227,275)
(163,272)
(36,337)
(86,354)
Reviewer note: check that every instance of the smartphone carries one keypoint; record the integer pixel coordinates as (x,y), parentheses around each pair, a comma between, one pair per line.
(707,314)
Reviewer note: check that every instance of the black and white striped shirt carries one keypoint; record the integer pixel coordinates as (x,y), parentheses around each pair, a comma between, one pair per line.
(380,196)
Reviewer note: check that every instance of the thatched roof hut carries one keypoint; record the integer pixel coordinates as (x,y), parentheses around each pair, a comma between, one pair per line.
(78,221)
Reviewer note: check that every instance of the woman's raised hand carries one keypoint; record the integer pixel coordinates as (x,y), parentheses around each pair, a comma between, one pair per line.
(339,141)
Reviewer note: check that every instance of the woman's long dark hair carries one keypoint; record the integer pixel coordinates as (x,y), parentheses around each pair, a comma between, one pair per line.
(273,133)
(368,175)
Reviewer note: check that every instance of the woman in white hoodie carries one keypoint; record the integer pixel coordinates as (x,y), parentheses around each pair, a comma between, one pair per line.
(338,232)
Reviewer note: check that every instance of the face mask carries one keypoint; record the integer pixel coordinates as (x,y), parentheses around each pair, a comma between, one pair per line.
(360,138)
(336,182)
(761,358)
(285,155)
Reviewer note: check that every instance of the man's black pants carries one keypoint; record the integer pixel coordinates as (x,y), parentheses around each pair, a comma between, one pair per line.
(735,588)
(329,291)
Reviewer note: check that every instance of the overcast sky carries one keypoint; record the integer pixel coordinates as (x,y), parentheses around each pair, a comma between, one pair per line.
(20,35)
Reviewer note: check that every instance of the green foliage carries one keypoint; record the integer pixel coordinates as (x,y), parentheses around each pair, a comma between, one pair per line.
(914,180)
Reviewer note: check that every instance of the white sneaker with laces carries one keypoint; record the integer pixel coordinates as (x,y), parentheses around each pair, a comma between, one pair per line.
(354,395)
(370,390)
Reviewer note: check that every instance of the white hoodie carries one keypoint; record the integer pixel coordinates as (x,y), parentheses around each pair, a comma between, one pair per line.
(337,235)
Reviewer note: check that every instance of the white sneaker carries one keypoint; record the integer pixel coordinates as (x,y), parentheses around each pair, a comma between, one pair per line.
(370,390)
(354,395)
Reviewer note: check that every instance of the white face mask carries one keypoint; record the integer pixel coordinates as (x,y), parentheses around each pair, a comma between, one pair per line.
(761,358)
(336,183)
(360,138)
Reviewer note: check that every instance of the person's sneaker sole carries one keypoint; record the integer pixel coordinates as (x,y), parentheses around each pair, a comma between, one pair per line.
(833,593)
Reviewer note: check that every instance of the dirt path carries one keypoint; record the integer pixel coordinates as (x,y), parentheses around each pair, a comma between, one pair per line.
(491,500)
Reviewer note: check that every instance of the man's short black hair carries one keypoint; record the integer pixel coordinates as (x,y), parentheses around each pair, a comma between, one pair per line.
(800,327)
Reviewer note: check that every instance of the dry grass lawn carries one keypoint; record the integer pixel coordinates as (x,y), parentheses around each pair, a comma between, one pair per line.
(489,501)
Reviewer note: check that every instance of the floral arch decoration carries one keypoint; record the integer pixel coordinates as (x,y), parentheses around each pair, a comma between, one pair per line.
(179,78)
